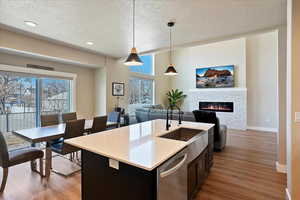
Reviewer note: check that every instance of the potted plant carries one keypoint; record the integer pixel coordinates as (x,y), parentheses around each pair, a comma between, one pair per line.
(175,97)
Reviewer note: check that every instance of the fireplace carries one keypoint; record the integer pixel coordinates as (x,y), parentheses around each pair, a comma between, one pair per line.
(216,106)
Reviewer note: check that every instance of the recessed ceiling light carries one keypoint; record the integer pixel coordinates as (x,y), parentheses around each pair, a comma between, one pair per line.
(89,43)
(30,23)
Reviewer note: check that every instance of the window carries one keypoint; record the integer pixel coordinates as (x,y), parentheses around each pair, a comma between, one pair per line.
(23,98)
(17,102)
(141,84)
(146,68)
(141,91)
(55,96)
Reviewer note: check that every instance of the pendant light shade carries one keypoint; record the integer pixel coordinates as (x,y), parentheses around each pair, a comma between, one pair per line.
(133,58)
(171,71)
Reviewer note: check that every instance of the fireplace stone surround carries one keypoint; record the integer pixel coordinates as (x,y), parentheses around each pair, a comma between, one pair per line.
(234,120)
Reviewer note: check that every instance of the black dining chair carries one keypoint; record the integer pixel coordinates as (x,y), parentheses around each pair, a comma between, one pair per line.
(120,110)
(69,116)
(114,117)
(99,124)
(74,128)
(49,120)
(16,157)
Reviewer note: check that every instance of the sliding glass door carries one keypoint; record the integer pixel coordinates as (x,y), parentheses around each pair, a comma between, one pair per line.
(55,96)
(23,98)
(17,101)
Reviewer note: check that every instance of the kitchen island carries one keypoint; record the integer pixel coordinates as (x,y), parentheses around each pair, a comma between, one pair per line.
(143,161)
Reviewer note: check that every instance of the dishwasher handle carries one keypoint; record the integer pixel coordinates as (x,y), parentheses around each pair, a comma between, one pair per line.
(174,169)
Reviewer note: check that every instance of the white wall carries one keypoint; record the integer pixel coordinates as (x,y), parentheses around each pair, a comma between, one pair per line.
(31,45)
(231,52)
(162,82)
(293,99)
(117,72)
(262,61)
(255,59)
(100,78)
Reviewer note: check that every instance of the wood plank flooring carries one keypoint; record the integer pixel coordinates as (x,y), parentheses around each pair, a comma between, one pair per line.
(244,171)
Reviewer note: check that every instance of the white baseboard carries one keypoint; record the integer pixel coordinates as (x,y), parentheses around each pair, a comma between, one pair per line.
(288,196)
(280,168)
(265,129)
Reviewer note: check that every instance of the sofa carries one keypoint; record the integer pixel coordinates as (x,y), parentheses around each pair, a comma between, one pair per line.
(149,113)
(146,114)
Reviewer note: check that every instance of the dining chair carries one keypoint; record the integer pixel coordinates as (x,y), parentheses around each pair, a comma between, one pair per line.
(120,110)
(114,117)
(16,157)
(49,120)
(69,116)
(74,128)
(99,124)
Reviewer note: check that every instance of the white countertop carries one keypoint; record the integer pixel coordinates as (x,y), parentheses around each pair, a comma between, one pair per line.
(138,145)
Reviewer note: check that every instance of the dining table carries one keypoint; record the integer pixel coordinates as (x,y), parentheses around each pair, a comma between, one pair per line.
(47,134)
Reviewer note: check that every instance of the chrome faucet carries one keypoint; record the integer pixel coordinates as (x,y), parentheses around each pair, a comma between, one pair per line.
(168,125)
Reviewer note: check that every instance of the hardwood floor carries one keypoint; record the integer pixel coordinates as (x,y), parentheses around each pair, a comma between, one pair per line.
(245,170)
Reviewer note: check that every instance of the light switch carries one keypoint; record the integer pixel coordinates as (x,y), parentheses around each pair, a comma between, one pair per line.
(297,116)
(114,164)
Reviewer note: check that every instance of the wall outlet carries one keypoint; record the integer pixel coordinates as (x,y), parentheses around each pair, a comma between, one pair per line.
(114,164)
(297,116)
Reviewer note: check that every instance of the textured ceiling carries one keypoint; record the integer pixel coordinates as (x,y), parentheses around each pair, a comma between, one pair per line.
(108,23)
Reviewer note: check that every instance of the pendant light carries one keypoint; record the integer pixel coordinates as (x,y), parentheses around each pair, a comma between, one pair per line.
(133,58)
(171,71)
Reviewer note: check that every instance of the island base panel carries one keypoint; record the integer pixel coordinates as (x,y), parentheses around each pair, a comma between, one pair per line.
(99,181)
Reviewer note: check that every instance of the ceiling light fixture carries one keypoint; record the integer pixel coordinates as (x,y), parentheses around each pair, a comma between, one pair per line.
(171,71)
(90,43)
(133,58)
(30,23)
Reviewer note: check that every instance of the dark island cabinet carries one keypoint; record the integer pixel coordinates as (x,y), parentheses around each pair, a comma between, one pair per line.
(101,182)
(210,147)
(197,172)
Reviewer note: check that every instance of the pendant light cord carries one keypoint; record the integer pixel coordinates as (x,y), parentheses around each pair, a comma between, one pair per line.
(170,45)
(133,24)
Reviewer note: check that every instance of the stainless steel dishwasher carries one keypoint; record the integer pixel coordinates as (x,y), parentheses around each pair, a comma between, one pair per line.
(172,178)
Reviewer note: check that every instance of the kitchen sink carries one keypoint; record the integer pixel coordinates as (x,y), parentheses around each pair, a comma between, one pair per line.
(183,134)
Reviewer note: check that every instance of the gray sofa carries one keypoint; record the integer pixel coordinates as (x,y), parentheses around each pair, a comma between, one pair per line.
(146,114)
